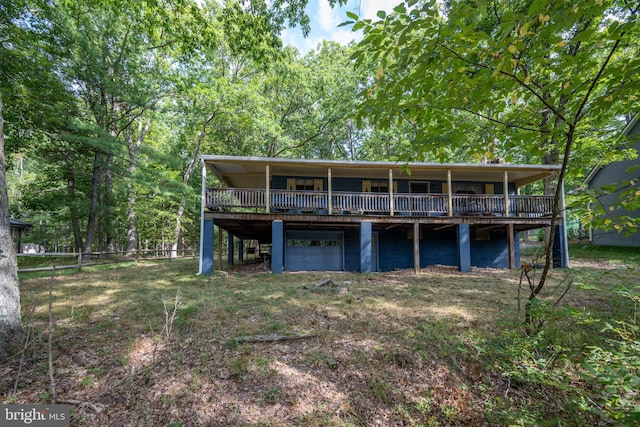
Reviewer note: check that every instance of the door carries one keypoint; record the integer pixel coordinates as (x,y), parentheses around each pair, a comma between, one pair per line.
(314,251)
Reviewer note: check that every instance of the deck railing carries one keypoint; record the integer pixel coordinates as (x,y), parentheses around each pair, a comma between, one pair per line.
(317,202)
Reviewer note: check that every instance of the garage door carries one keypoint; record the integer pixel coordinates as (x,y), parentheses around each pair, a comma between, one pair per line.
(314,250)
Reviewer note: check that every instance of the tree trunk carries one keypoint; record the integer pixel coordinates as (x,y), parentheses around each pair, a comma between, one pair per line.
(134,152)
(75,216)
(107,218)
(91,222)
(10,320)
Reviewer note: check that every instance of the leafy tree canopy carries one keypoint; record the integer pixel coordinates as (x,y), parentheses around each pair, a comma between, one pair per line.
(536,71)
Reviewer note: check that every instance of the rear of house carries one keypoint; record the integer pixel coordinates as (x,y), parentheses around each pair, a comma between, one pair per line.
(371,216)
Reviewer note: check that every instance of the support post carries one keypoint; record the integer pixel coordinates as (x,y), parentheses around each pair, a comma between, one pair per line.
(219,248)
(450,193)
(512,249)
(464,248)
(202,229)
(505,190)
(230,249)
(206,248)
(365,246)
(277,247)
(563,235)
(391,192)
(560,252)
(416,247)
(240,250)
(267,186)
(329,190)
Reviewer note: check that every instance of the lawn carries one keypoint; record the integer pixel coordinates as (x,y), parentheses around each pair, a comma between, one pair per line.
(435,349)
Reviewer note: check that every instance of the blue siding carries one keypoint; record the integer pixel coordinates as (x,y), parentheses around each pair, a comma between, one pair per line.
(493,253)
(352,250)
(438,247)
(395,250)
(618,172)
(355,184)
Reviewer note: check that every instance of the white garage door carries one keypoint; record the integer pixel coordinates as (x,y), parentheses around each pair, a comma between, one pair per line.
(314,250)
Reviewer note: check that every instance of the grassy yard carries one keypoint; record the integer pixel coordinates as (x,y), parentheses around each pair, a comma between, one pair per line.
(436,349)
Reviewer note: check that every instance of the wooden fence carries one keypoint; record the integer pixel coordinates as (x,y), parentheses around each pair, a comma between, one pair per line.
(106,257)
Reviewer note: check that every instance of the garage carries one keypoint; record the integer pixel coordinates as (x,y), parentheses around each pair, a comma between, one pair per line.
(314,250)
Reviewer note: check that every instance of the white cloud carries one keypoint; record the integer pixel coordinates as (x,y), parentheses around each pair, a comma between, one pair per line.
(325,21)
(328,18)
(370,8)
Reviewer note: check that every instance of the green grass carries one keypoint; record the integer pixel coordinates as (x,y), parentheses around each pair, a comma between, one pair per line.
(439,348)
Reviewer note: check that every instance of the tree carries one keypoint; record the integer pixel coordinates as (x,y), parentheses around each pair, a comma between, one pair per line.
(544,73)
(10,316)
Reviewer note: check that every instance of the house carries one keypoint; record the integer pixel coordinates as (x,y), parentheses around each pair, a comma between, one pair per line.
(620,173)
(19,229)
(329,215)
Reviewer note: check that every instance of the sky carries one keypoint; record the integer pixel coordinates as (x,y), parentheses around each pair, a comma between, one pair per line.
(325,21)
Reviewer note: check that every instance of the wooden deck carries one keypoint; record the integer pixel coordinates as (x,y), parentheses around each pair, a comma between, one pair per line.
(384,204)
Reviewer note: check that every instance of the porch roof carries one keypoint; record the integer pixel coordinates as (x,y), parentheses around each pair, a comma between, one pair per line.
(249,172)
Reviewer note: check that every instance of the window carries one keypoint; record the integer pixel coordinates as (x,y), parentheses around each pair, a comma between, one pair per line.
(304,184)
(379,186)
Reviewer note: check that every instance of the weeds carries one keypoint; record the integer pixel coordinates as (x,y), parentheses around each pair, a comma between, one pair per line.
(170,315)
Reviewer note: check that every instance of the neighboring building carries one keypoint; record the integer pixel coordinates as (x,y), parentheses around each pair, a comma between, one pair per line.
(373,216)
(19,229)
(617,173)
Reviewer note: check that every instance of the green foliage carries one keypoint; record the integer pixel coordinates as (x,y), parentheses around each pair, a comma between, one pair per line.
(506,80)
(614,367)
(614,372)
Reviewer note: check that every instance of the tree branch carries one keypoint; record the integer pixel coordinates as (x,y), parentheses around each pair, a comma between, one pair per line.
(528,87)
(596,78)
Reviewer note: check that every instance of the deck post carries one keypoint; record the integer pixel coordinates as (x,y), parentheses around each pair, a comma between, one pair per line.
(464,248)
(329,190)
(365,246)
(512,249)
(505,190)
(206,248)
(391,192)
(219,248)
(267,186)
(230,249)
(560,249)
(203,201)
(416,247)
(240,250)
(562,234)
(449,193)
(277,246)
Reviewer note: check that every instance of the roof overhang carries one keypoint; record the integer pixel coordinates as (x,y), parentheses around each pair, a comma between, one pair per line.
(250,172)
(17,224)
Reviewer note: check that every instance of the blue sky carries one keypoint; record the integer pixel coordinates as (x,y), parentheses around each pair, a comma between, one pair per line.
(325,21)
